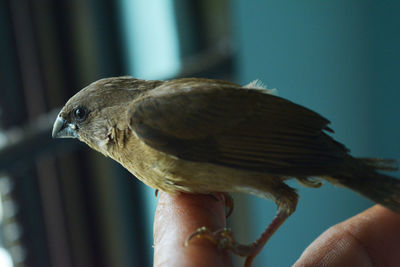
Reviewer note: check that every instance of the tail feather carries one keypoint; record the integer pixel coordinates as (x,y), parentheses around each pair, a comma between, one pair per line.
(364,179)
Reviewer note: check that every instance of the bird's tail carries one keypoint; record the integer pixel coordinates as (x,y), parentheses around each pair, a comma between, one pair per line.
(362,177)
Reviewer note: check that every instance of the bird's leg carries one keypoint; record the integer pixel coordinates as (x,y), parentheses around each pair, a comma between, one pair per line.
(228,199)
(286,200)
(253,249)
(229,203)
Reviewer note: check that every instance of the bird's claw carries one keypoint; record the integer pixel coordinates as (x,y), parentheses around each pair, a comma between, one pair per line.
(223,238)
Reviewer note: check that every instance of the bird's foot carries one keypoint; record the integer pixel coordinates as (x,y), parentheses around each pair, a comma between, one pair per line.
(223,238)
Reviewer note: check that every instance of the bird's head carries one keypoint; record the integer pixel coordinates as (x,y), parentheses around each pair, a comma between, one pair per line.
(91,113)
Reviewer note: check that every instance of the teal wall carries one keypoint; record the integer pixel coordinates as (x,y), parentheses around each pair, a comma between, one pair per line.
(341,59)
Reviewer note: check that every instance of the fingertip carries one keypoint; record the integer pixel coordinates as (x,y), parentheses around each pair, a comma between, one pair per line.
(177,216)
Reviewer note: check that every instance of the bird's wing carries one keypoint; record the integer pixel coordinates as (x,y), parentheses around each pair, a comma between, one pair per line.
(222,123)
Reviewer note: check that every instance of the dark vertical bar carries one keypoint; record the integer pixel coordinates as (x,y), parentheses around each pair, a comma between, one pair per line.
(31,74)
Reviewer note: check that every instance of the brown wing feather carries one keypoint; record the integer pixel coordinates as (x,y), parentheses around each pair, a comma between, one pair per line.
(221,123)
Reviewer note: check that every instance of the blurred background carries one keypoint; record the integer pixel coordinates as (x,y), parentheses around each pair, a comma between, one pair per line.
(62,204)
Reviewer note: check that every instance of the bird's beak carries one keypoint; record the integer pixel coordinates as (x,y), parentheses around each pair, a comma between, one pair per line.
(63,129)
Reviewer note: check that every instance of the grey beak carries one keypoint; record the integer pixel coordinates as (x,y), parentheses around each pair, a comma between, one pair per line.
(63,129)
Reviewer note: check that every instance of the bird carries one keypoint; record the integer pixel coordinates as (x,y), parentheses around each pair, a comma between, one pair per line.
(202,136)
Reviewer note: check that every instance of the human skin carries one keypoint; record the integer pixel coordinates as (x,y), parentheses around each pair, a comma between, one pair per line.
(177,216)
(370,238)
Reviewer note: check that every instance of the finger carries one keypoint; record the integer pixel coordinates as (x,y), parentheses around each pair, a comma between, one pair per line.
(177,216)
(370,238)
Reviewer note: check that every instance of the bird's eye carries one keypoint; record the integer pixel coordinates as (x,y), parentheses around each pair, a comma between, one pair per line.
(80,114)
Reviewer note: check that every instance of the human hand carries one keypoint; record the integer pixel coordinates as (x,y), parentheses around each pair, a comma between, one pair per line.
(370,238)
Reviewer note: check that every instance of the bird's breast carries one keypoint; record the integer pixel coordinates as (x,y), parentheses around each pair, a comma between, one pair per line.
(172,175)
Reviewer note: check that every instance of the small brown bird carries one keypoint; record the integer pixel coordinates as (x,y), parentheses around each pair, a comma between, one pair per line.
(204,136)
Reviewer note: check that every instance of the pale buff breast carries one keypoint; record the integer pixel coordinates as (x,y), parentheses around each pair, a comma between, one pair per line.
(171,174)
